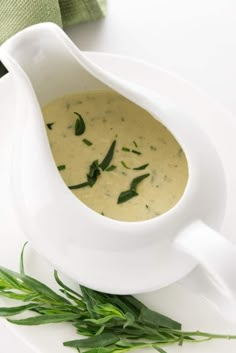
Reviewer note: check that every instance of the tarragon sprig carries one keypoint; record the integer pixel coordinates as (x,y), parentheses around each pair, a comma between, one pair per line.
(112,323)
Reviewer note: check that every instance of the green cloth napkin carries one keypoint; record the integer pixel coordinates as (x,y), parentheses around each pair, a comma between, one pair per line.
(18,14)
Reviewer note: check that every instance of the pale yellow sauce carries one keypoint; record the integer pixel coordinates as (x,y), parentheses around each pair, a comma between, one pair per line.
(108,116)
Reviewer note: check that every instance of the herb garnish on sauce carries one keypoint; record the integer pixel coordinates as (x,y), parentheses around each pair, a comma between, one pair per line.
(61,167)
(125,165)
(144,166)
(87,142)
(108,158)
(129,194)
(50,125)
(95,169)
(79,125)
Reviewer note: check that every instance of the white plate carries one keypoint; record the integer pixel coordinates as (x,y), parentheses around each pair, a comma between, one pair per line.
(194,312)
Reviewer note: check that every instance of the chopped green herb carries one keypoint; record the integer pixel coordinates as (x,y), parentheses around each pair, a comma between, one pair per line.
(126,196)
(61,167)
(125,149)
(136,152)
(95,169)
(146,206)
(144,166)
(93,174)
(108,158)
(124,165)
(136,181)
(87,142)
(135,144)
(79,125)
(50,125)
(153,148)
(78,186)
(129,194)
(110,169)
(102,214)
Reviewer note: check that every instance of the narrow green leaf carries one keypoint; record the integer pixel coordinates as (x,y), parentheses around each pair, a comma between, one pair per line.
(45,319)
(22,270)
(103,340)
(89,301)
(13,295)
(50,125)
(61,167)
(148,316)
(126,195)
(10,278)
(79,125)
(79,186)
(130,320)
(93,173)
(125,149)
(110,169)
(87,142)
(63,285)
(158,349)
(14,310)
(108,158)
(144,166)
(135,144)
(102,320)
(136,152)
(135,303)
(138,180)
(41,288)
(108,309)
(124,165)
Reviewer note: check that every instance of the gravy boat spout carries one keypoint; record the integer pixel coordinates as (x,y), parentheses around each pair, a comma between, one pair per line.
(101,253)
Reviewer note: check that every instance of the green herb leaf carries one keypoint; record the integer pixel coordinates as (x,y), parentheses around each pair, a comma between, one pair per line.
(61,167)
(135,144)
(79,125)
(22,270)
(79,186)
(129,194)
(126,196)
(93,174)
(144,166)
(45,319)
(136,152)
(158,349)
(87,142)
(124,165)
(50,125)
(108,158)
(14,310)
(136,181)
(110,169)
(148,316)
(125,149)
(103,340)
(61,284)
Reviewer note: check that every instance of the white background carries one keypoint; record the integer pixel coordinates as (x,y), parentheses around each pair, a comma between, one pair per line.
(195,39)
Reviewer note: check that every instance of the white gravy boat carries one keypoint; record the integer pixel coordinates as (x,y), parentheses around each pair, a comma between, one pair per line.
(101,253)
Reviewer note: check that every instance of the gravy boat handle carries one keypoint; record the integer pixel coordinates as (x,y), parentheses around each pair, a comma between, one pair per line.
(215,277)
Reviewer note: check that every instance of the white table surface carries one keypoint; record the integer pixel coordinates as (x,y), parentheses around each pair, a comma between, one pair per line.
(195,39)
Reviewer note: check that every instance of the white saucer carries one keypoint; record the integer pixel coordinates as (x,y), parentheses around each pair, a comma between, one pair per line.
(194,312)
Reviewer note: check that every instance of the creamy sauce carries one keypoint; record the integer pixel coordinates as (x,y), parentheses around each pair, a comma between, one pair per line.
(108,117)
